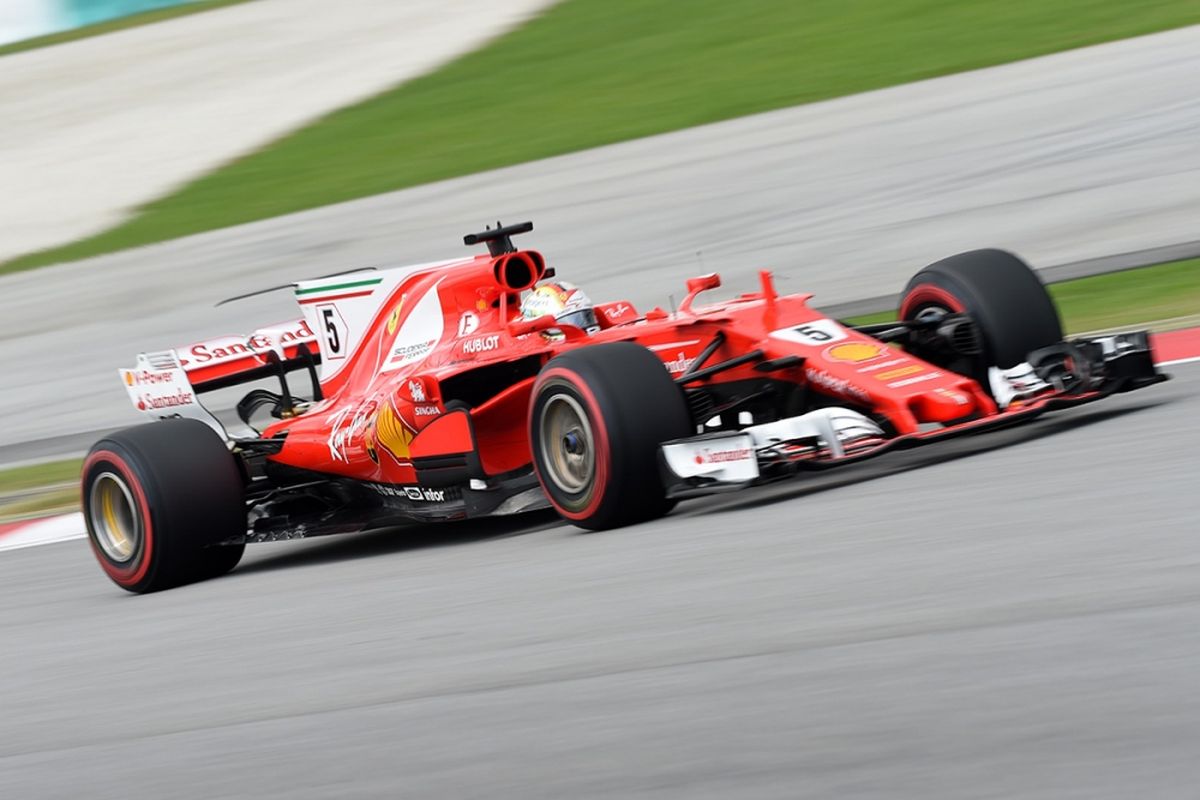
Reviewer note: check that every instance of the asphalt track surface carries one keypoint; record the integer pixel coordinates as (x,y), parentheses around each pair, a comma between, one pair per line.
(1073,156)
(1012,615)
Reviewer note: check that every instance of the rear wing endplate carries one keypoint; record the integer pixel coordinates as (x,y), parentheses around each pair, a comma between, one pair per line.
(167,383)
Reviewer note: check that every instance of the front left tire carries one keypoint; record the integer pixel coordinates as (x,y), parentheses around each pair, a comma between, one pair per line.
(597,418)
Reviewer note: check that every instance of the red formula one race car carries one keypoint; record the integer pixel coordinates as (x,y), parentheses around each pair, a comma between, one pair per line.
(478,386)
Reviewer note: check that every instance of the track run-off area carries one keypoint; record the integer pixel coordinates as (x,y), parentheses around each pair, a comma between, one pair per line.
(98,127)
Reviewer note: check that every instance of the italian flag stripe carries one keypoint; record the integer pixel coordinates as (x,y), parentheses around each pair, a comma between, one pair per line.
(326,297)
(337,287)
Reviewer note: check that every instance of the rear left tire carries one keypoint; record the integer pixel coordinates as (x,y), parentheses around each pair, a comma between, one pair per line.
(159,500)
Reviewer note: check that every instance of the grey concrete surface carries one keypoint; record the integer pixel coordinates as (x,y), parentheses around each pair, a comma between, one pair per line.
(1073,156)
(1012,615)
(95,128)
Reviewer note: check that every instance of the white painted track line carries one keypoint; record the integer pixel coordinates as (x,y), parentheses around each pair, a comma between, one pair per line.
(42,531)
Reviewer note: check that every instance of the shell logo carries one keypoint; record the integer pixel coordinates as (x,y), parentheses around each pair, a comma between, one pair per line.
(899,372)
(129,379)
(390,433)
(855,352)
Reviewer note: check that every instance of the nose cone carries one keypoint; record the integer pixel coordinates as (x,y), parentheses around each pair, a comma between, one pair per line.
(942,405)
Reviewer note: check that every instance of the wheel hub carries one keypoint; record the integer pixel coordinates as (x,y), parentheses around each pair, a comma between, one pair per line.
(573,443)
(568,449)
(113,516)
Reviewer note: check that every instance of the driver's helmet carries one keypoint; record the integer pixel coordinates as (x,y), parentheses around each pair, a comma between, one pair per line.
(563,301)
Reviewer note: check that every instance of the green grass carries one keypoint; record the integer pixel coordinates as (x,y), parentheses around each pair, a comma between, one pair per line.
(121,23)
(871,319)
(592,72)
(44,503)
(40,475)
(39,489)
(1131,297)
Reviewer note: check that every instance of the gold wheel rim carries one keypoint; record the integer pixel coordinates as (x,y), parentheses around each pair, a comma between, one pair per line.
(114,518)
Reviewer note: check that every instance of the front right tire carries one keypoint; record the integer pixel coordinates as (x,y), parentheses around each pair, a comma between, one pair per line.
(1006,300)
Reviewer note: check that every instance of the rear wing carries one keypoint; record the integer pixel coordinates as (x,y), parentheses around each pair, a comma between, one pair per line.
(167,383)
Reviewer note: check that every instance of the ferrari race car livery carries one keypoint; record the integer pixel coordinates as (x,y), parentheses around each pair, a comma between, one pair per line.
(427,396)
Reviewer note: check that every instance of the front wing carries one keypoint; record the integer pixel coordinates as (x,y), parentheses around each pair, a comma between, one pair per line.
(1068,374)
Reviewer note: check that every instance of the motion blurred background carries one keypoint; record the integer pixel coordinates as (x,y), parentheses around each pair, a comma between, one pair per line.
(29,19)
(1011,618)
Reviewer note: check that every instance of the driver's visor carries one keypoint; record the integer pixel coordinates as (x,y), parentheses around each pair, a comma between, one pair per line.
(583,318)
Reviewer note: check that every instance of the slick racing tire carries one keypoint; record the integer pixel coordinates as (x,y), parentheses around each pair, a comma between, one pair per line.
(158,499)
(1004,297)
(597,418)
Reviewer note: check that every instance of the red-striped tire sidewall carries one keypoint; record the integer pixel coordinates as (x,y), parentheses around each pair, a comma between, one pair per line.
(1003,296)
(578,388)
(926,294)
(135,572)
